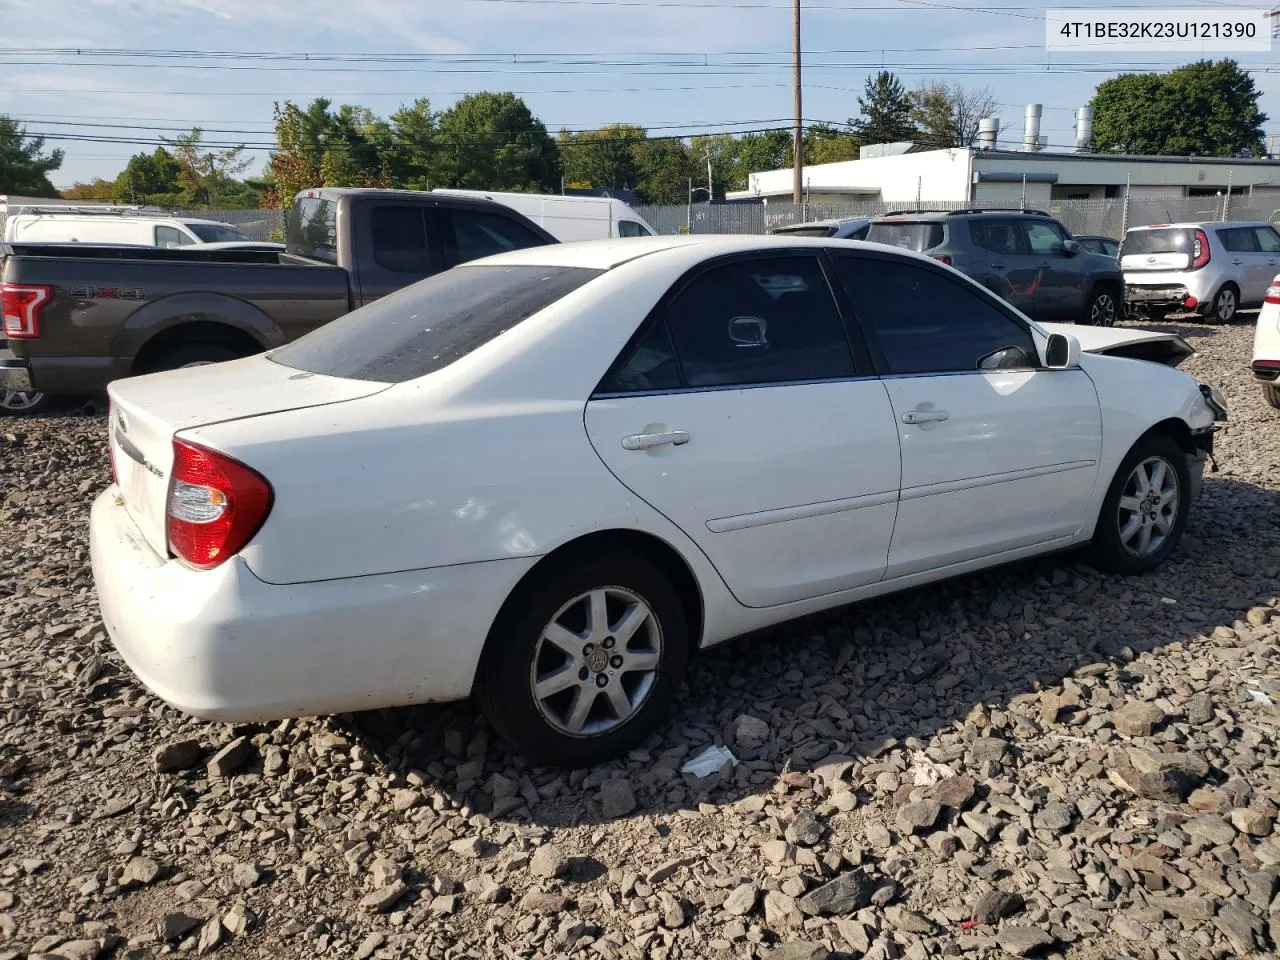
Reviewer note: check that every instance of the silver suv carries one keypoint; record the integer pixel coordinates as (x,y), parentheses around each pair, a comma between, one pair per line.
(1212,269)
(1025,256)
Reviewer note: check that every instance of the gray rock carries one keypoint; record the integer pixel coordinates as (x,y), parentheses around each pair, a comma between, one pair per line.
(179,755)
(1129,928)
(1055,817)
(140,871)
(984,825)
(473,848)
(798,950)
(616,798)
(210,937)
(1023,941)
(384,872)
(750,731)
(549,862)
(238,920)
(989,750)
(994,906)
(742,900)
(780,911)
(1253,822)
(805,829)
(81,949)
(1200,709)
(230,758)
(1239,926)
(246,875)
(384,898)
(954,792)
(176,925)
(909,921)
(1211,829)
(406,799)
(913,817)
(845,894)
(369,945)
(1138,719)
(538,901)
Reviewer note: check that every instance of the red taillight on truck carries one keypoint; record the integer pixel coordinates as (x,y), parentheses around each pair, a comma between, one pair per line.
(21,306)
(1200,250)
(216,504)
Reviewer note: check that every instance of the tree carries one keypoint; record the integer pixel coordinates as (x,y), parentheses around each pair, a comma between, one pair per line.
(492,141)
(149,178)
(947,115)
(24,170)
(204,175)
(322,147)
(886,111)
(663,169)
(827,144)
(413,148)
(602,158)
(1207,108)
(97,189)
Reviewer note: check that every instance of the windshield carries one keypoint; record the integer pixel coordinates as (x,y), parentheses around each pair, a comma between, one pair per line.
(312,229)
(427,326)
(1175,240)
(808,231)
(216,232)
(907,236)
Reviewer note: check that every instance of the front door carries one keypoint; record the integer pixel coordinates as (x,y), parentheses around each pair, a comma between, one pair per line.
(1059,294)
(997,452)
(742,413)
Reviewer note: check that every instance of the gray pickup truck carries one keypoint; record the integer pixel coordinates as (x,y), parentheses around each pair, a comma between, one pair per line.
(77,316)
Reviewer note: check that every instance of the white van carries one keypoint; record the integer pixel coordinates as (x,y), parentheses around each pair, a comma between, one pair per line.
(108,226)
(570,218)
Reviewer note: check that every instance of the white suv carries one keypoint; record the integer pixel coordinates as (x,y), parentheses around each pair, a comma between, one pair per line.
(1213,269)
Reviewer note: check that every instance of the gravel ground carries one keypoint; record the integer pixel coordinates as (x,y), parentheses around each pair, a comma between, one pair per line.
(1037,760)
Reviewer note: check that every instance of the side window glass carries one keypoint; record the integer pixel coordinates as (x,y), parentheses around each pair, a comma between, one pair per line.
(1268,239)
(629,228)
(759,321)
(998,236)
(400,240)
(928,323)
(1238,240)
(1044,237)
(649,365)
(168,237)
(477,235)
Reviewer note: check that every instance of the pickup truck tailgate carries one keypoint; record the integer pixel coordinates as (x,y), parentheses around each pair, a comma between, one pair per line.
(147,412)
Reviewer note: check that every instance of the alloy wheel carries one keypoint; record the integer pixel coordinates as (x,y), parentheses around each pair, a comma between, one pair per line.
(1103,311)
(596,662)
(1148,508)
(20,401)
(1225,308)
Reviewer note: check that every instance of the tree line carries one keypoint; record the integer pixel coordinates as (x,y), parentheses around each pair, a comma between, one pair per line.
(493,141)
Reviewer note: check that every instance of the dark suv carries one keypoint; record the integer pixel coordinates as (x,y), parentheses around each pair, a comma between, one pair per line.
(1025,256)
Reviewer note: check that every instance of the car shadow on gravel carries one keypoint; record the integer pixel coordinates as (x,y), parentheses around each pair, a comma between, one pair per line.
(848,684)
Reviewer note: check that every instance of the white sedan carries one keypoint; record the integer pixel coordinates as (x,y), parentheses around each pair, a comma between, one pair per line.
(546,477)
(1266,345)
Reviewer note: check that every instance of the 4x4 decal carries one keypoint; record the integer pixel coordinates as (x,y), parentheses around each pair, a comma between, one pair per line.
(108,293)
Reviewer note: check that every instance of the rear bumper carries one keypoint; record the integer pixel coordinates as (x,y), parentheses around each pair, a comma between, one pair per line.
(223,645)
(14,373)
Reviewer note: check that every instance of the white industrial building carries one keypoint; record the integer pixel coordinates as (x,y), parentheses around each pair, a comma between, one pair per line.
(907,173)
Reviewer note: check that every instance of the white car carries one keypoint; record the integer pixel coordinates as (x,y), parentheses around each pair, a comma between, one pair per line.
(1266,345)
(546,477)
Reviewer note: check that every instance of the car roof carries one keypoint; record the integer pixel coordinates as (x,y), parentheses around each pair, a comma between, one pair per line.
(938,216)
(693,248)
(1201,225)
(833,222)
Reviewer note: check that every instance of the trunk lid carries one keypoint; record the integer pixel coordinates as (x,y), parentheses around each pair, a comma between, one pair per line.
(146,413)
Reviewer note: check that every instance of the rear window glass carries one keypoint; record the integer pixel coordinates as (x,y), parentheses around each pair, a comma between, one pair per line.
(425,327)
(907,236)
(829,231)
(312,229)
(1158,241)
(217,232)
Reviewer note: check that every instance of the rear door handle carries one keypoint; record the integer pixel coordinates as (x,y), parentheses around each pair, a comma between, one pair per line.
(1237,262)
(997,266)
(645,441)
(925,416)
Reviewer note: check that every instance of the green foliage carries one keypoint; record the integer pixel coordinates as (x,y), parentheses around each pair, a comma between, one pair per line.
(885,111)
(1206,108)
(204,176)
(24,169)
(491,141)
(827,144)
(604,157)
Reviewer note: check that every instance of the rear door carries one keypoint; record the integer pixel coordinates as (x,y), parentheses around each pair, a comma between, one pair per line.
(743,413)
(1268,256)
(399,244)
(1241,245)
(998,454)
(1011,271)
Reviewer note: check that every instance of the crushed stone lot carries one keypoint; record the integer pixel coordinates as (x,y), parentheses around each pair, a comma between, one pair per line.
(1039,760)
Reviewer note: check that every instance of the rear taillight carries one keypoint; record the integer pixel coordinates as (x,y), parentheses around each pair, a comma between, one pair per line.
(1199,250)
(22,303)
(216,504)
(1273,292)
(943,258)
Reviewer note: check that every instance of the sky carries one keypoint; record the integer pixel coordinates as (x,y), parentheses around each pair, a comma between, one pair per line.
(90,74)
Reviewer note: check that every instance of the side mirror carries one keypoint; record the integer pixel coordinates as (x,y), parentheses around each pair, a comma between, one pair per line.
(1070,247)
(1061,351)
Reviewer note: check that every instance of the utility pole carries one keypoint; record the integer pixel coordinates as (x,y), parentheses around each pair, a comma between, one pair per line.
(797,146)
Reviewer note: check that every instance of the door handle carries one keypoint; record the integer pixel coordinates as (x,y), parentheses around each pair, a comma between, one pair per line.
(997,266)
(1236,262)
(925,416)
(646,441)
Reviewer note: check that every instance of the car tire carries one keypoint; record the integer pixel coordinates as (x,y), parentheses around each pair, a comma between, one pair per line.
(1225,305)
(545,630)
(1271,391)
(1138,528)
(192,355)
(1103,309)
(24,403)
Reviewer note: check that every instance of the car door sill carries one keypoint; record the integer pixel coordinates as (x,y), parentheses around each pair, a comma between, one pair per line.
(953,486)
